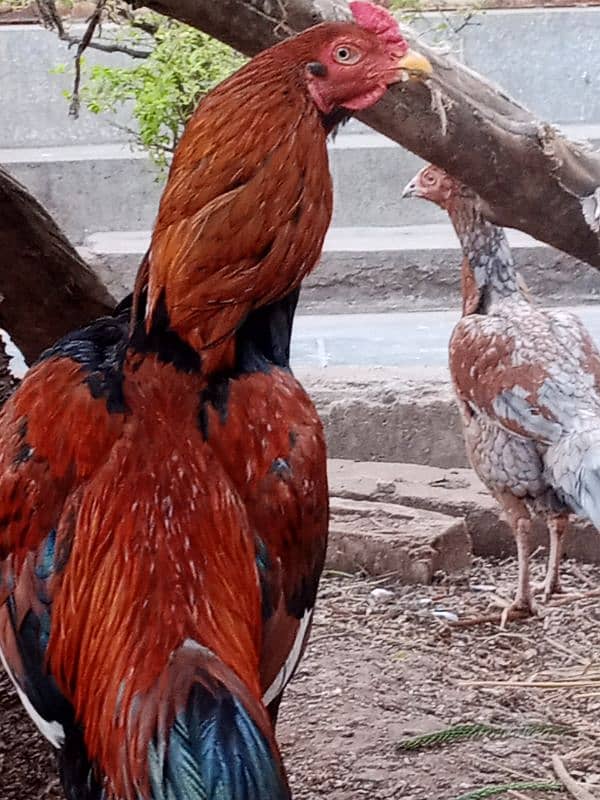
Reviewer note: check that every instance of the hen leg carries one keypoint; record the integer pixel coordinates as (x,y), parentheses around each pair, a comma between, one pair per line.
(557,527)
(520,522)
(524,599)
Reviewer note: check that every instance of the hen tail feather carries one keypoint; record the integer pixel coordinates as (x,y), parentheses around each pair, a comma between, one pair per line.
(573,469)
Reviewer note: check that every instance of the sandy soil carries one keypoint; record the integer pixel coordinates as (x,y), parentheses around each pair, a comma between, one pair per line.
(383,669)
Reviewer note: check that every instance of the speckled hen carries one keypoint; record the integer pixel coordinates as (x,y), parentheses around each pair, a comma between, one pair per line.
(527,383)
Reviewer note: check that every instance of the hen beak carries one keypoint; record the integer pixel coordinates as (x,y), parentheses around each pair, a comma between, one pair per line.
(414,65)
(410,190)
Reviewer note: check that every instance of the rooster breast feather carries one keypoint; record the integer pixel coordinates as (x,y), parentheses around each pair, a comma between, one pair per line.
(283,484)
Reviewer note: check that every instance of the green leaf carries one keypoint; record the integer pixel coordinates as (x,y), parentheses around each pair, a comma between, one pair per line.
(501,788)
(469,731)
(163,90)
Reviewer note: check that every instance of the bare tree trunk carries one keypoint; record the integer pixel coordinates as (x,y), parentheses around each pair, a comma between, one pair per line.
(531,177)
(46,289)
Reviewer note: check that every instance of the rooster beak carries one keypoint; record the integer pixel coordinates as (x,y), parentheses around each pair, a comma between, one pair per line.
(410,190)
(414,65)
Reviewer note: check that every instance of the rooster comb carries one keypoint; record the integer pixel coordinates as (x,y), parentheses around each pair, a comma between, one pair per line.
(378,20)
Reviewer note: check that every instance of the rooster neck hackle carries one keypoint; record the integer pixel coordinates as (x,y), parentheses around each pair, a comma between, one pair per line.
(244,214)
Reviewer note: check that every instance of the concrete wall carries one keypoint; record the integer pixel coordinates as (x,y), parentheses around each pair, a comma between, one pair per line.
(547,58)
(33,110)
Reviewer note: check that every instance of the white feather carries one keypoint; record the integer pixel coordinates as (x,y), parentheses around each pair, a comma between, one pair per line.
(286,672)
(53,731)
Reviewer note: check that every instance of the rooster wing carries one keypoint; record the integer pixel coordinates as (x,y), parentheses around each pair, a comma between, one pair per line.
(54,431)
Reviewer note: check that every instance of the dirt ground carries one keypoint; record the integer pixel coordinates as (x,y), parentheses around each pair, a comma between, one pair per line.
(385,667)
(377,673)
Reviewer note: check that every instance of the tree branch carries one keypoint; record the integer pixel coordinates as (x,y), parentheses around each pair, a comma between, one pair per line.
(531,176)
(113,47)
(46,290)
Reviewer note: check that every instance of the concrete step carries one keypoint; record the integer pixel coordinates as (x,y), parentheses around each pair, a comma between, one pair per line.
(380,268)
(372,488)
(380,538)
(89,187)
(108,187)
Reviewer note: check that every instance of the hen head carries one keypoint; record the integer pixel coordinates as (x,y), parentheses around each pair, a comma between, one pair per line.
(354,63)
(435,184)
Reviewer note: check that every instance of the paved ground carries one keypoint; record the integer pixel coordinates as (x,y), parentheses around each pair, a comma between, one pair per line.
(403,339)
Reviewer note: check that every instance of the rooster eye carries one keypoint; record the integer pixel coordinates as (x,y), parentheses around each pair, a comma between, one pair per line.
(344,54)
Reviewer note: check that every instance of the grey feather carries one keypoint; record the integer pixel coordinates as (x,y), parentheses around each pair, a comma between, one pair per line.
(572,467)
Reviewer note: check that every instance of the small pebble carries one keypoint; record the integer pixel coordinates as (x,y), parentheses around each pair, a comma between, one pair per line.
(382,595)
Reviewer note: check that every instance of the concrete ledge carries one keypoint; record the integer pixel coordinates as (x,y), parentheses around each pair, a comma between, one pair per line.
(373,269)
(110,187)
(89,189)
(388,414)
(380,538)
(456,493)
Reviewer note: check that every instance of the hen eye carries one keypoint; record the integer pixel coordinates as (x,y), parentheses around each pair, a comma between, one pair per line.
(344,54)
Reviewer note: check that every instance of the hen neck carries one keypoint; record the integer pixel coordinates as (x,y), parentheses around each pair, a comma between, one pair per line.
(489,272)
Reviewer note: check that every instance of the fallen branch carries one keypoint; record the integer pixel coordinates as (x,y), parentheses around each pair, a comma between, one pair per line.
(530,684)
(495,618)
(46,290)
(572,598)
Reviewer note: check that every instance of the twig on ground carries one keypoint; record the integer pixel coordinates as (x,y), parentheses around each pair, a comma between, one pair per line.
(572,598)
(498,765)
(512,615)
(575,684)
(575,789)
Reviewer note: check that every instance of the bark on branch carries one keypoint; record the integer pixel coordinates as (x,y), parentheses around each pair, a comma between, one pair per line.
(531,176)
(46,290)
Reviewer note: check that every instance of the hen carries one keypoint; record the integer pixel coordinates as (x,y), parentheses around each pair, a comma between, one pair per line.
(163,494)
(528,387)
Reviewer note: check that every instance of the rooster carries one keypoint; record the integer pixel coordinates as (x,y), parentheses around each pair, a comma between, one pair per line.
(163,493)
(528,387)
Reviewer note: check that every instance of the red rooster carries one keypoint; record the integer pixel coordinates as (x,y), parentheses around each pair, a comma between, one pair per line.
(527,383)
(163,494)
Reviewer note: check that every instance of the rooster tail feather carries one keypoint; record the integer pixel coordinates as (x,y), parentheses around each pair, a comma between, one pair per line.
(573,469)
(218,743)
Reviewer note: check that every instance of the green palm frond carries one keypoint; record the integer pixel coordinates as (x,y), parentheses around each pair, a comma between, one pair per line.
(501,788)
(468,731)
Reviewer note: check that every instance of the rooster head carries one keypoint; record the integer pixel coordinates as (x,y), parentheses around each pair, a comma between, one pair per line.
(357,61)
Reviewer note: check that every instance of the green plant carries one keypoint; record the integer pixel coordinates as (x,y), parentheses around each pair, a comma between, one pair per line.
(500,789)
(180,66)
(468,731)
(405,5)
(13,5)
